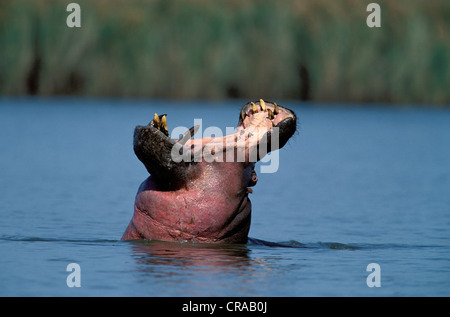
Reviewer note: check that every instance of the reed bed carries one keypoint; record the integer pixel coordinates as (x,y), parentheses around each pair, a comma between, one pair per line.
(318,50)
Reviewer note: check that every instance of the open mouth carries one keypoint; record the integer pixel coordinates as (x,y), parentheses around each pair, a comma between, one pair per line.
(264,114)
(259,116)
(260,124)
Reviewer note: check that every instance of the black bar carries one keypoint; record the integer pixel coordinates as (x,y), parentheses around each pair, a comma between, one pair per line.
(229,306)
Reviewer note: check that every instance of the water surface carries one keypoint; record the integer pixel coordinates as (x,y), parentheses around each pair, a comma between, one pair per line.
(356,185)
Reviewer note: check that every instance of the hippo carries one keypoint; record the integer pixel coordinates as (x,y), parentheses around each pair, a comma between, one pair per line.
(198,188)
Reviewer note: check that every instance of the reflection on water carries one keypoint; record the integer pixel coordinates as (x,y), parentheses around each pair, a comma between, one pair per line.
(171,261)
(188,254)
(189,269)
(150,255)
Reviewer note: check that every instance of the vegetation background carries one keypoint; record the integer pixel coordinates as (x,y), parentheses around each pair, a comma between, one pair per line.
(317,50)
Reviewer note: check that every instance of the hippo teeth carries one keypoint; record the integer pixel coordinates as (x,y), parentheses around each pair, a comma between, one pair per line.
(254,108)
(155,122)
(263,114)
(164,126)
(160,122)
(262,104)
(275,108)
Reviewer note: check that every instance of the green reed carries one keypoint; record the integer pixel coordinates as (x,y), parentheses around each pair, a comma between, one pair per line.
(315,50)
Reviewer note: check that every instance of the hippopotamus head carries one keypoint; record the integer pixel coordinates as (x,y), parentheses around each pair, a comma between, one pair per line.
(198,188)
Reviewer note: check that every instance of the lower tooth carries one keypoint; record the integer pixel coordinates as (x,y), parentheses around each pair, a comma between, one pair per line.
(254,108)
(164,125)
(262,104)
(156,122)
(275,108)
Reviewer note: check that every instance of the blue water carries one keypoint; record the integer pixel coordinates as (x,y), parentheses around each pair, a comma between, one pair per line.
(356,185)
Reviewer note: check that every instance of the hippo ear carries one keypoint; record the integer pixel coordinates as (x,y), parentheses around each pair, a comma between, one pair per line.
(153,148)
